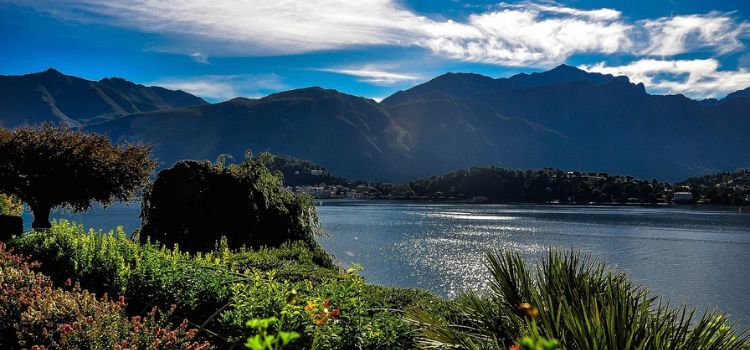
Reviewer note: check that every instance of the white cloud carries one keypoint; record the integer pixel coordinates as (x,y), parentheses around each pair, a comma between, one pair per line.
(698,78)
(534,35)
(256,27)
(373,74)
(224,87)
(199,57)
(520,34)
(675,35)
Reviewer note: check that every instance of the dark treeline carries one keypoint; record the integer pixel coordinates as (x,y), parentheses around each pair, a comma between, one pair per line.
(298,172)
(730,188)
(494,184)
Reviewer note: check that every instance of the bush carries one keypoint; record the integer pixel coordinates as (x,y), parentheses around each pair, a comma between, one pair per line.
(146,274)
(576,301)
(332,315)
(224,289)
(10,205)
(294,261)
(193,204)
(34,314)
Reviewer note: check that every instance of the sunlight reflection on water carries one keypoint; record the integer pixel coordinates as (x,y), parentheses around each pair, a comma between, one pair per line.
(683,253)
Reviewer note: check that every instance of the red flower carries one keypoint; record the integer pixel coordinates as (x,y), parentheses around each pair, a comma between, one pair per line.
(67,328)
(515,347)
(336,313)
(326,303)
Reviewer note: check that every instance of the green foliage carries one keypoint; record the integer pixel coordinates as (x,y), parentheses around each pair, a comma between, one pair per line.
(146,274)
(36,315)
(576,300)
(298,172)
(728,188)
(47,166)
(331,315)
(294,261)
(223,289)
(194,203)
(10,205)
(264,340)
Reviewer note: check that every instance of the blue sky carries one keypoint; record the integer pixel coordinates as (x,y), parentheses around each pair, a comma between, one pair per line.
(372,48)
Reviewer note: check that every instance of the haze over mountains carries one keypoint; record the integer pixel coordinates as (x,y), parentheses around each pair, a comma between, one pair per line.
(564,118)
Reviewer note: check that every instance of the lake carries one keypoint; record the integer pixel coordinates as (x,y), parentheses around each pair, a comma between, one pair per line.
(685,253)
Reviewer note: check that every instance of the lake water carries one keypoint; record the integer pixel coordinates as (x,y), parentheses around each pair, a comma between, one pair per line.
(701,255)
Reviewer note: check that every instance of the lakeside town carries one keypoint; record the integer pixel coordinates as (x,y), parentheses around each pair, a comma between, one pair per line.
(699,190)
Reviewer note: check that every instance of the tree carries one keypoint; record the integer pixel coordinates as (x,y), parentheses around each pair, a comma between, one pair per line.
(194,204)
(47,166)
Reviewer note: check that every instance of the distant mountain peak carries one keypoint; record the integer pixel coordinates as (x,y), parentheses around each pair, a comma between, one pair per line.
(51,96)
(566,68)
(560,74)
(50,71)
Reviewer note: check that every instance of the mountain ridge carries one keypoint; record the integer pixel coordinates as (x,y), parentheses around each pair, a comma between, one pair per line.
(55,97)
(565,118)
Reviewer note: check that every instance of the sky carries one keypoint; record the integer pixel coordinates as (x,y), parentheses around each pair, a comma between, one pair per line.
(373,48)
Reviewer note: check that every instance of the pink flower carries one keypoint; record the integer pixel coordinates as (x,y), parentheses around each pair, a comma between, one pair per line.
(67,328)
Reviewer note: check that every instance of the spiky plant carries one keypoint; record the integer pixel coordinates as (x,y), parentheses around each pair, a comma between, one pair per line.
(577,300)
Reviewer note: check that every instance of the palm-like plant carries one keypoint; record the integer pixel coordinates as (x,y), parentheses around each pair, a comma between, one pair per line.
(577,300)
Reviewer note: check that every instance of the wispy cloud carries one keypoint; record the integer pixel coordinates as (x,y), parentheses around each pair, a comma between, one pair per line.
(679,34)
(199,57)
(519,34)
(224,87)
(699,78)
(373,74)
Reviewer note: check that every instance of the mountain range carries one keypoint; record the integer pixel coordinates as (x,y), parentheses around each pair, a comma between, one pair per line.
(565,118)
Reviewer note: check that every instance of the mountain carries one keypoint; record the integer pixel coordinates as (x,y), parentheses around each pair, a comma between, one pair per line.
(565,118)
(593,122)
(347,133)
(55,97)
(740,93)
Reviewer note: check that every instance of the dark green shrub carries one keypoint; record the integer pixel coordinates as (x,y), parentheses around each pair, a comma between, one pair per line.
(194,204)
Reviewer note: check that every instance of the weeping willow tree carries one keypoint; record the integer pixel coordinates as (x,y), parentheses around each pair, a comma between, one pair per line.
(195,203)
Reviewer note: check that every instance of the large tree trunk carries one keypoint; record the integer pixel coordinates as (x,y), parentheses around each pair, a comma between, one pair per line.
(41,217)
